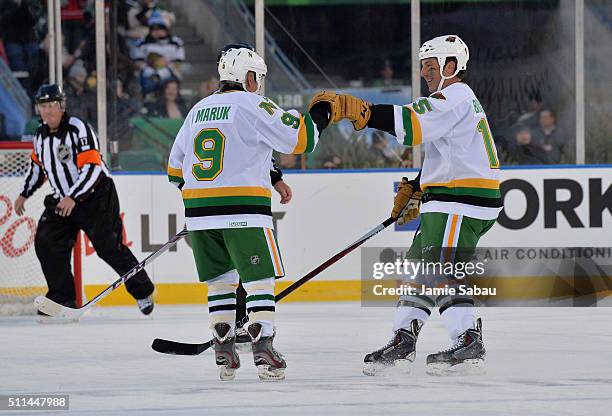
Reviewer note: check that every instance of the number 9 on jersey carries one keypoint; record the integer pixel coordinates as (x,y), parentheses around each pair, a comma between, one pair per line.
(208,147)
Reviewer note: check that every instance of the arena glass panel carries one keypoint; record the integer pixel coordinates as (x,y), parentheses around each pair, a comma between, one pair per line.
(522,69)
(598,79)
(360,49)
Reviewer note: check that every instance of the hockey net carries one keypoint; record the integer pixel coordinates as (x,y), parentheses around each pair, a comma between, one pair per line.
(21,277)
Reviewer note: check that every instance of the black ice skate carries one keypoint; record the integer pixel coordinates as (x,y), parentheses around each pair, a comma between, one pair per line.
(226,356)
(270,363)
(466,356)
(398,354)
(146,305)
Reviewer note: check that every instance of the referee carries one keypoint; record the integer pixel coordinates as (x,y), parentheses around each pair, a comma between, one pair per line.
(67,153)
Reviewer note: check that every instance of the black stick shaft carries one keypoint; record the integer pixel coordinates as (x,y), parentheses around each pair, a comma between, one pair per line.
(334,259)
(180,348)
(136,269)
(295,285)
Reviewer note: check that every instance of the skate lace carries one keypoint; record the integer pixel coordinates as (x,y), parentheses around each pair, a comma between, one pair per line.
(390,343)
(458,343)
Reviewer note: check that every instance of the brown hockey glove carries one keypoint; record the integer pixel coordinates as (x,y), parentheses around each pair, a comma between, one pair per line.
(329,101)
(356,110)
(341,106)
(407,201)
(411,211)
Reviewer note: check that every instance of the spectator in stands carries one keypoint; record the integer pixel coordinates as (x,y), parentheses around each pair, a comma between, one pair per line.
(170,104)
(138,20)
(154,73)
(534,105)
(386,76)
(525,151)
(126,107)
(82,100)
(406,158)
(42,74)
(332,162)
(161,41)
(553,141)
(86,51)
(382,155)
(288,161)
(73,22)
(17,21)
(205,88)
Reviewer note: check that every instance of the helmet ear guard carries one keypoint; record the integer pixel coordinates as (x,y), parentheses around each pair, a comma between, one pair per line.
(443,47)
(236,63)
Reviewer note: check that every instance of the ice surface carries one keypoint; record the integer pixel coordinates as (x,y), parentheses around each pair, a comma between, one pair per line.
(540,361)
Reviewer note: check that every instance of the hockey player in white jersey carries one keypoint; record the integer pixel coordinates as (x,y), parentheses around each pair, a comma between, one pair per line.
(221,161)
(459,187)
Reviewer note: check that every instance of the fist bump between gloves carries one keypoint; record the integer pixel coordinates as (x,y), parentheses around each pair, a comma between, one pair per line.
(343,106)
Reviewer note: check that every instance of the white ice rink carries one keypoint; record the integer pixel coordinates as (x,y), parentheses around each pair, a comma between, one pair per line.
(544,361)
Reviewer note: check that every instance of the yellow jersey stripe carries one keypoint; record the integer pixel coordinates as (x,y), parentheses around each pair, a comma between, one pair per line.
(417,134)
(175,172)
(300,147)
(227,191)
(450,243)
(277,265)
(466,183)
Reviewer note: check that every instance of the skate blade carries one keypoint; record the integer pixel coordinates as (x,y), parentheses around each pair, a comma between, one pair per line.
(267,373)
(226,373)
(377,369)
(473,367)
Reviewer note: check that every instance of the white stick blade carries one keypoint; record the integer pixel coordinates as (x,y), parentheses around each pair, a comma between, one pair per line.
(51,308)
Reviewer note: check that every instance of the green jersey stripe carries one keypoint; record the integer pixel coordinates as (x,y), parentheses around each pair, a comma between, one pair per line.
(480,192)
(227,200)
(221,297)
(310,143)
(407,123)
(253,298)
(176,179)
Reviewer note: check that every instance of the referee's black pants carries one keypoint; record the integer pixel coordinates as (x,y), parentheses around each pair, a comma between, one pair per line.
(98,216)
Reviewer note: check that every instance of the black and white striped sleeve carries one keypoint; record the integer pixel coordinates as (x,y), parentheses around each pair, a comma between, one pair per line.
(34,179)
(88,161)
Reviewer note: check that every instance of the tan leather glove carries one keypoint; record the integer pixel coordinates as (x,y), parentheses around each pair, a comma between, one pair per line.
(407,201)
(342,106)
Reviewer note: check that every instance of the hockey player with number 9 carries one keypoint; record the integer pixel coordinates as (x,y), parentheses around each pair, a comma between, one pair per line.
(459,184)
(221,161)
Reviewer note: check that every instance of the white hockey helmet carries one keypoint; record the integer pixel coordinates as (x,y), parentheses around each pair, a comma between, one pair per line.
(447,46)
(235,63)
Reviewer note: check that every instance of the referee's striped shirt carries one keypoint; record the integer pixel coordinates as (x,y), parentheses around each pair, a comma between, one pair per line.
(69,158)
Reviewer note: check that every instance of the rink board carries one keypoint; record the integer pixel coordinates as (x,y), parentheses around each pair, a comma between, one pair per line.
(331,209)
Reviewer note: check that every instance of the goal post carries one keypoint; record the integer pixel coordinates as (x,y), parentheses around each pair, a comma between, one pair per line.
(21,277)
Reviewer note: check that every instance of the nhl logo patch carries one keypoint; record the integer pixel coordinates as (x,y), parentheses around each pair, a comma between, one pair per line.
(63,154)
(254,259)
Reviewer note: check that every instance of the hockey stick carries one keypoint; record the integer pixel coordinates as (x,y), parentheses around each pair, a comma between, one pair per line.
(165,346)
(55,309)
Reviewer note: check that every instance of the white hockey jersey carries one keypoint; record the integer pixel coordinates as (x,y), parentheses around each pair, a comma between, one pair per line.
(460,173)
(222,155)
